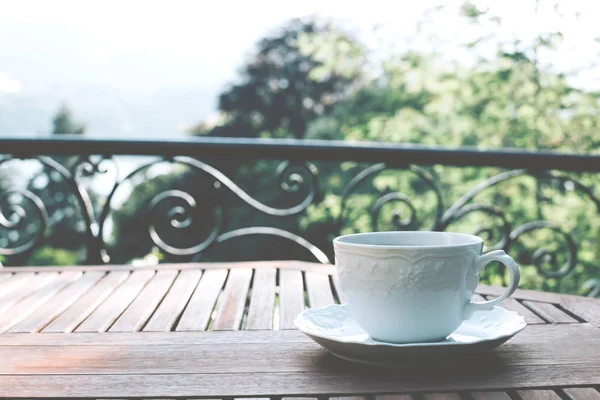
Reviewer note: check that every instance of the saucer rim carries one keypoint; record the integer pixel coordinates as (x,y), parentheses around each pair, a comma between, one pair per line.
(518,328)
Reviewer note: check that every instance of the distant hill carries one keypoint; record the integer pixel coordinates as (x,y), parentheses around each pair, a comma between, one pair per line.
(106,111)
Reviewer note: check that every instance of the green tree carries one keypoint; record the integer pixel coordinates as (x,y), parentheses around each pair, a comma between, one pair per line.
(63,123)
(509,97)
(295,76)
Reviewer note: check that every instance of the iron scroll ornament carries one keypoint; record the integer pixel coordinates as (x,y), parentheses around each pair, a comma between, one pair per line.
(19,206)
(545,259)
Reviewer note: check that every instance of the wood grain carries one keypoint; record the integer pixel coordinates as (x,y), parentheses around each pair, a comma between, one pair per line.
(291,297)
(531,335)
(154,338)
(250,364)
(477,298)
(136,315)
(513,305)
(395,397)
(36,299)
(582,393)
(5,275)
(78,311)
(20,288)
(299,398)
(262,301)
(253,398)
(550,312)
(230,308)
(347,398)
(441,396)
(584,307)
(252,353)
(496,291)
(165,316)
(283,264)
(538,395)
(490,396)
(270,383)
(106,314)
(13,282)
(318,289)
(57,304)
(198,312)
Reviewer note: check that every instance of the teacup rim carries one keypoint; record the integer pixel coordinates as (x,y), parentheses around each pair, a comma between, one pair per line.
(475,240)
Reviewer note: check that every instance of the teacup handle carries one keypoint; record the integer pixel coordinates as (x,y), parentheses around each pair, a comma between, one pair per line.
(513,269)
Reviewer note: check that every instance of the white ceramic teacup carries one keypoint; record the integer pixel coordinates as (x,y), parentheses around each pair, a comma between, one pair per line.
(405,287)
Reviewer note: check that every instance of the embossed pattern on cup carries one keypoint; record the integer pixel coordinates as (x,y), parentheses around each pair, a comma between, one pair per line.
(407,287)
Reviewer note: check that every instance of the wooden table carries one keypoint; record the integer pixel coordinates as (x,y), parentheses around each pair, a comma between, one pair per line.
(125,332)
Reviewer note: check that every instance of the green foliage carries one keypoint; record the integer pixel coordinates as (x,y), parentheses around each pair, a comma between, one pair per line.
(295,76)
(63,123)
(48,255)
(310,81)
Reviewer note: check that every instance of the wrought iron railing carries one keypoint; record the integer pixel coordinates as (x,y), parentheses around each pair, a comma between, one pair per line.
(212,190)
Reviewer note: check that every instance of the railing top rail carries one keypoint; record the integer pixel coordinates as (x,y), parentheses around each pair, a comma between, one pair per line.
(393,154)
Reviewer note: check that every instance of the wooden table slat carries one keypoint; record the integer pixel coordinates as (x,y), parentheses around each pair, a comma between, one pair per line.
(230,308)
(550,312)
(490,396)
(14,282)
(5,275)
(165,316)
(318,289)
(262,301)
(537,364)
(299,398)
(198,312)
(538,395)
(137,314)
(263,352)
(587,393)
(152,339)
(513,304)
(477,298)
(37,320)
(584,307)
(80,309)
(16,292)
(30,303)
(441,396)
(106,314)
(522,294)
(252,398)
(291,297)
(279,264)
(270,383)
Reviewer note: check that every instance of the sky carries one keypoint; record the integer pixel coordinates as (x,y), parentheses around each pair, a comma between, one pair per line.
(136,68)
(145,45)
(144,67)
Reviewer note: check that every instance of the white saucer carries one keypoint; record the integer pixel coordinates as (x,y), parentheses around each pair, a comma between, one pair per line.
(334,328)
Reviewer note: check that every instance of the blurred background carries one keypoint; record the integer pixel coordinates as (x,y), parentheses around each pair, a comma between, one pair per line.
(484,73)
